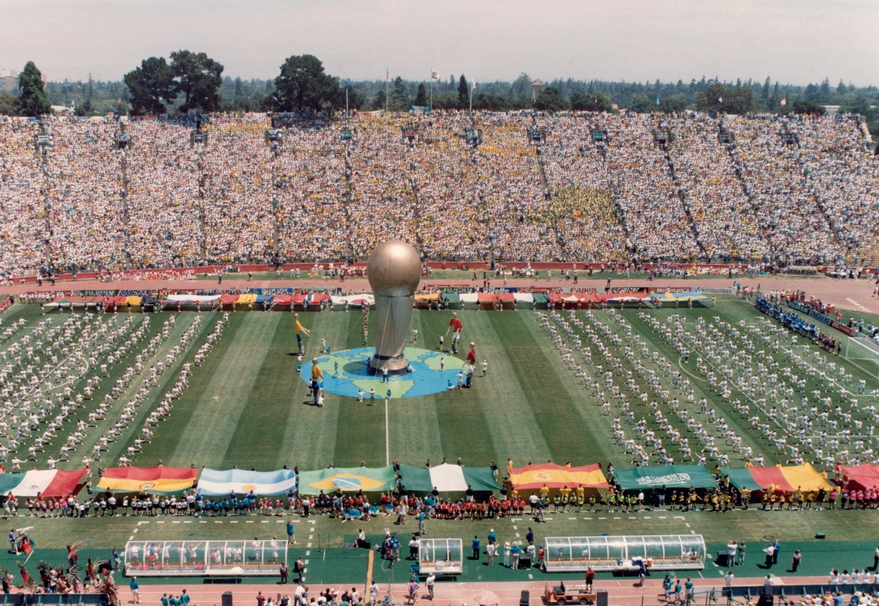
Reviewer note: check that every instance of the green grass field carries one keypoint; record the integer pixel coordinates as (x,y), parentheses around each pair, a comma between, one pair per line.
(246,406)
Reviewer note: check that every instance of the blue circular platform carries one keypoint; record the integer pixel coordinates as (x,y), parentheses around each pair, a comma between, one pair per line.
(432,373)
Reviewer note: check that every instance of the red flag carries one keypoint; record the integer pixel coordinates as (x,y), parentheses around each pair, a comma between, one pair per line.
(119,102)
(783,102)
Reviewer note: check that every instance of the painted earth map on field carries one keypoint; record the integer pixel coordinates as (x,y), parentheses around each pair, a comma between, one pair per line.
(345,372)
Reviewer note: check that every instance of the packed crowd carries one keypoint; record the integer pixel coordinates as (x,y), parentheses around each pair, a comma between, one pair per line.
(599,187)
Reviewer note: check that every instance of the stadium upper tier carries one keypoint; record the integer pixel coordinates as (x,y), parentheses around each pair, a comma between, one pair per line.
(597,188)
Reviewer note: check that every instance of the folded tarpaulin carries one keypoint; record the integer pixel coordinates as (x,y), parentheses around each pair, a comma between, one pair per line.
(670,476)
(861,477)
(447,478)
(191,298)
(47,483)
(78,301)
(352,479)
(152,480)
(533,477)
(214,483)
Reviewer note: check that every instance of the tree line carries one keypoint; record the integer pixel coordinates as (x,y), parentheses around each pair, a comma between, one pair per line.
(193,82)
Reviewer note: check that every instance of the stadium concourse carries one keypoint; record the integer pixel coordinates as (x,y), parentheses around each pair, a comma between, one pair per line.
(852,295)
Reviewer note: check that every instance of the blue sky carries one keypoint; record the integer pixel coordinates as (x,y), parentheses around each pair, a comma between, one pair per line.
(796,41)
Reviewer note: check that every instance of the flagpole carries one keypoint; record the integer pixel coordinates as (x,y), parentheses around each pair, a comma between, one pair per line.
(431,91)
(346,99)
(387,81)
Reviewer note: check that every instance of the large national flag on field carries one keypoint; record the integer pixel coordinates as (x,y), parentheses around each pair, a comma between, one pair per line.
(670,476)
(48,483)
(351,479)
(447,478)
(534,477)
(860,477)
(778,479)
(215,482)
(152,480)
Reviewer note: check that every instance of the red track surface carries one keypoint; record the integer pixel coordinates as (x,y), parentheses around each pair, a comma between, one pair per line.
(620,592)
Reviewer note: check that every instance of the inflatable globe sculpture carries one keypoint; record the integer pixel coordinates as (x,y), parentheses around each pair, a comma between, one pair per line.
(394,271)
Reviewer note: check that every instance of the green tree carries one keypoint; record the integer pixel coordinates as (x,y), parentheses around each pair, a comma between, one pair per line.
(855,105)
(767,90)
(463,93)
(85,108)
(8,105)
(421,97)
(673,105)
(801,106)
(720,98)
(550,100)
(824,91)
(151,86)
(33,100)
(199,79)
(593,102)
(841,88)
(495,103)
(521,85)
(379,101)
(641,104)
(400,98)
(303,85)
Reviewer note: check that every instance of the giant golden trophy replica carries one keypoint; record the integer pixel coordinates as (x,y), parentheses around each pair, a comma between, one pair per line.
(394,271)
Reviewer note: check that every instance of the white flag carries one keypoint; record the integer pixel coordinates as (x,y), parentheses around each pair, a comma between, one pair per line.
(434,75)
(474,85)
(720,100)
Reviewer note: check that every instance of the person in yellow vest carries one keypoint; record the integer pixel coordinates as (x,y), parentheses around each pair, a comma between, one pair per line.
(544,492)
(566,497)
(299,329)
